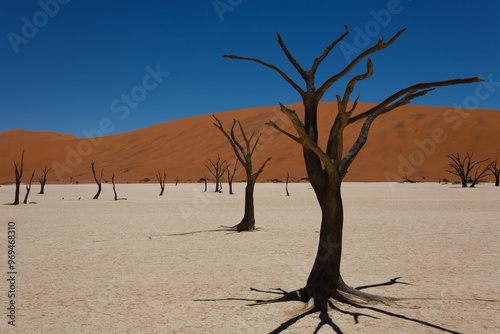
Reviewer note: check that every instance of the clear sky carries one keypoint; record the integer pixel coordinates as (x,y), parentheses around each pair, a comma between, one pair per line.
(65,65)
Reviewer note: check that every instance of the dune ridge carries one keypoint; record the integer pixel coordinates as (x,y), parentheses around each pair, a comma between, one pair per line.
(412,141)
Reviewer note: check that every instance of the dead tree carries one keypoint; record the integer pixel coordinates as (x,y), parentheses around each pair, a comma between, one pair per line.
(18,170)
(463,167)
(492,167)
(28,188)
(205,181)
(286,186)
(43,179)
(176,180)
(217,169)
(161,180)
(327,167)
(244,155)
(478,173)
(230,177)
(97,180)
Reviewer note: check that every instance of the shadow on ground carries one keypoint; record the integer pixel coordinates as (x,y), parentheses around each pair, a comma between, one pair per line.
(324,317)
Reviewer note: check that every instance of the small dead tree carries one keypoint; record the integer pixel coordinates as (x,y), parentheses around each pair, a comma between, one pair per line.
(463,167)
(28,188)
(230,177)
(43,179)
(492,167)
(176,180)
(205,181)
(161,180)
(18,170)
(217,169)
(244,155)
(286,186)
(97,180)
(478,173)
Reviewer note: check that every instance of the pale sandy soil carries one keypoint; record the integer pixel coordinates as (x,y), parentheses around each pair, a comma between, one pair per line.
(154,264)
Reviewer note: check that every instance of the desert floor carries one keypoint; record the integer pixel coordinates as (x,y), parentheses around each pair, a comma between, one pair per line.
(153,264)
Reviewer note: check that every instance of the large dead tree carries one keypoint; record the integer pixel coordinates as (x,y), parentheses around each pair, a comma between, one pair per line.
(43,179)
(97,180)
(217,169)
(28,188)
(161,180)
(462,167)
(326,167)
(492,167)
(18,170)
(244,155)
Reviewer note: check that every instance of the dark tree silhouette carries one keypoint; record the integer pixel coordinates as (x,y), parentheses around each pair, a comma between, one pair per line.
(114,189)
(43,179)
(230,177)
(463,167)
(217,169)
(161,180)
(28,188)
(286,186)
(97,180)
(492,167)
(244,155)
(478,173)
(176,180)
(18,170)
(205,181)
(326,168)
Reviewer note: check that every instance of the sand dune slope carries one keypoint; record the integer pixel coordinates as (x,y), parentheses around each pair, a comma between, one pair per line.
(412,140)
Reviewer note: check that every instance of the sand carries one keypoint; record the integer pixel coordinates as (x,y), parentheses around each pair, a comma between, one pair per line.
(153,264)
(413,141)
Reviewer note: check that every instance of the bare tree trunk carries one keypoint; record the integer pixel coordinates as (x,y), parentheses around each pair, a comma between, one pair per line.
(97,181)
(176,181)
(248,221)
(286,186)
(18,170)
(28,188)
(205,180)
(114,189)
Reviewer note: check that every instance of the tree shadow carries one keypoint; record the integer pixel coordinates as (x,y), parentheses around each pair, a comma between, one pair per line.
(324,317)
(222,228)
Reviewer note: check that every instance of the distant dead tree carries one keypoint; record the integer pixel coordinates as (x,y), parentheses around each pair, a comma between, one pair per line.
(18,170)
(176,180)
(478,173)
(492,167)
(327,166)
(244,155)
(161,180)
(230,177)
(205,181)
(43,179)
(463,167)
(114,188)
(28,188)
(286,186)
(217,169)
(97,180)
(406,179)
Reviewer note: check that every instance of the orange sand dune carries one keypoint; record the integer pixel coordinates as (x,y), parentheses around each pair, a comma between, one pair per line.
(412,140)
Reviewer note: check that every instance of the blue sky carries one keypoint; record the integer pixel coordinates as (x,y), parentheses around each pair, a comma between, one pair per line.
(67,65)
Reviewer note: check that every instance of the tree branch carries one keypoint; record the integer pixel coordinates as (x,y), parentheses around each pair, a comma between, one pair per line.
(283,75)
(377,47)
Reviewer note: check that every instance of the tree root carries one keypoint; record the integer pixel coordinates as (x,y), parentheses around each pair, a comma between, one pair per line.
(319,297)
